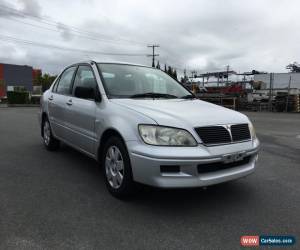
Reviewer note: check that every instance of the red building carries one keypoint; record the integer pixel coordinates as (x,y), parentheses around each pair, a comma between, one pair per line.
(36,73)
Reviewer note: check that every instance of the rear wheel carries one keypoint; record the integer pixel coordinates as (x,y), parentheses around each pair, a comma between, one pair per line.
(117,168)
(50,142)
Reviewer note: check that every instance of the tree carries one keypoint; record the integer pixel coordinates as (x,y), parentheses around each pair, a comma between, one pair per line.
(175,74)
(170,71)
(165,68)
(46,80)
(158,65)
(185,78)
(293,67)
(255,72)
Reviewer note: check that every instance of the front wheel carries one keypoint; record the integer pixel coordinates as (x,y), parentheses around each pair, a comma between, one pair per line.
(117,168)
(50,142)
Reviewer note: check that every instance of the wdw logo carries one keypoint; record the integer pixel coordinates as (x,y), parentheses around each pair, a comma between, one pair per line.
(248,241)
(255,240)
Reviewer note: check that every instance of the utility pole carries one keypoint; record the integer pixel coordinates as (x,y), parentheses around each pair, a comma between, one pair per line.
(194,73)
(227,69)
(185,76)
(288,95)
(153,46)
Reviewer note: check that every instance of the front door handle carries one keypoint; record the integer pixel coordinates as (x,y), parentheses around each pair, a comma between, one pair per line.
(50,98)
(69,102)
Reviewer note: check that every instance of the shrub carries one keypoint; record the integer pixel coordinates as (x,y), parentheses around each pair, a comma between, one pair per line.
(35,99)
(15,97)
(19,88)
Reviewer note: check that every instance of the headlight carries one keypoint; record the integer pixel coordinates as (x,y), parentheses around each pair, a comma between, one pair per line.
(252,131)
(166,136)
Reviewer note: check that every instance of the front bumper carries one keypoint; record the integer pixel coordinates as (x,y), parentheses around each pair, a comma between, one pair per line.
(147,160)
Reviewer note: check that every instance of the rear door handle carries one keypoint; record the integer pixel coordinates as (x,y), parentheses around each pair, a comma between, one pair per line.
(69,102)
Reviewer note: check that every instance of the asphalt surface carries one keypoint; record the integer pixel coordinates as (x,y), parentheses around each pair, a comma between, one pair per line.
(58,200)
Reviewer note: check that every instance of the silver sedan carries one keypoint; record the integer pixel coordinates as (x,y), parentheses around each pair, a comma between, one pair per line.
(145,127)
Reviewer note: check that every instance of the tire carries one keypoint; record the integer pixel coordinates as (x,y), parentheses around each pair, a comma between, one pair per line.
(117,168)
(50,142)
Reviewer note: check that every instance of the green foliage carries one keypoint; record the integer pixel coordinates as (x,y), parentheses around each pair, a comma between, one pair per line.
(184,79)
(18,97)
(47,81)
(158,65)
(44,80)
(293,67)
(175,74)
(171,72)
(19,89)
(35,99)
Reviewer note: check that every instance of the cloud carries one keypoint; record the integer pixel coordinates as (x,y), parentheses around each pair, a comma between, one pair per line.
(194,34)
(31,7)
(64,31)
(5,10)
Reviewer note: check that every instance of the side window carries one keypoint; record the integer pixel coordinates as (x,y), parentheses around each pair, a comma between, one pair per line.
(85,78)
(65,81)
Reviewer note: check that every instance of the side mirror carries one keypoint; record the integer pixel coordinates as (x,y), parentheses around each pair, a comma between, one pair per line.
(85,93)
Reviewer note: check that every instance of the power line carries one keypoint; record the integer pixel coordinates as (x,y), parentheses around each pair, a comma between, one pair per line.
(57,31)
(56,24)
(50,46)
(75,31)
(153,46)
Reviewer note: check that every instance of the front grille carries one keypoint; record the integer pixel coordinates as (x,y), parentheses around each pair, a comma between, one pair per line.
(240,132)
(217,166)
(214,135)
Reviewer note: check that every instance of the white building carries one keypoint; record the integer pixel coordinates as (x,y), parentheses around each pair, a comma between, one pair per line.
(281,80)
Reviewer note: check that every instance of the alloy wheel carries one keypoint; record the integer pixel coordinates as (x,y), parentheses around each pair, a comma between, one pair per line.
(47,133)
(114,167)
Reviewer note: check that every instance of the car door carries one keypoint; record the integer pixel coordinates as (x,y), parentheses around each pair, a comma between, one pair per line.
(57,102)
(81,115)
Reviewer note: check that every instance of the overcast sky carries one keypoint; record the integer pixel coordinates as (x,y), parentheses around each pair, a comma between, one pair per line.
(205,35)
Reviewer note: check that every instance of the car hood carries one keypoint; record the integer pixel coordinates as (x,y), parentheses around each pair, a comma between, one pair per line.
(178,112)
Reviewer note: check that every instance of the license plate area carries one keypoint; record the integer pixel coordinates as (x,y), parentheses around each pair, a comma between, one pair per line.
(229,158)
(221,165)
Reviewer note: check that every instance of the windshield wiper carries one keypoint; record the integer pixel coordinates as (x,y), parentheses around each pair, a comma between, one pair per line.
(153,95)
(190,96)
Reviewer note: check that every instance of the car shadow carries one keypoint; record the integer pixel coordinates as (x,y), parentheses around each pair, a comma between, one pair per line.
(223,195)
(217,196)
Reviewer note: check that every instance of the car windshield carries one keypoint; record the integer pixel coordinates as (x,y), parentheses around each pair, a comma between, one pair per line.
(131,81)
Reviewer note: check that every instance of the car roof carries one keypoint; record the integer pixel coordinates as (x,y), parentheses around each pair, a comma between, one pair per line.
(109,62)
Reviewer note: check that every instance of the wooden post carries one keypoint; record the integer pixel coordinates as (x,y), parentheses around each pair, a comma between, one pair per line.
(288,94)
(270,92)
